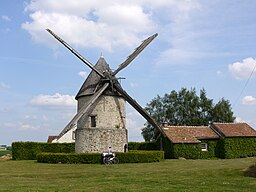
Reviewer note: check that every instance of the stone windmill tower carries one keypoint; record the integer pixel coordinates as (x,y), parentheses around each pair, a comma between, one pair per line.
(101,106)
(105,126)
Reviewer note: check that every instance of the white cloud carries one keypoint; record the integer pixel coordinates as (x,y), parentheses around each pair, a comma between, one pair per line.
(56,100)
(21,126)
(5,18)
(4,86)
(31,117)
(249,100)
(102,24)
(83,74)
(243,70)
(27,127)
(88,24)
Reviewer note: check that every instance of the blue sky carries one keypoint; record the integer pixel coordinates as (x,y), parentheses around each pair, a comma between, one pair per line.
(201,44)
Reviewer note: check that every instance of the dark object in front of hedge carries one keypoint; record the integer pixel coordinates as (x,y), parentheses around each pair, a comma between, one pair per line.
(250,171)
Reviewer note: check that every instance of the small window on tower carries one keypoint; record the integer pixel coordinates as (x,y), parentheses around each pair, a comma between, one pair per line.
(93,121)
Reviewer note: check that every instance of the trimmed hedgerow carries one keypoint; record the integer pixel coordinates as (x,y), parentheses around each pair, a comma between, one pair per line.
(29,150)
(143,146)
(140,156)
(238,147)
(95,158)
(187,150)
(69,158)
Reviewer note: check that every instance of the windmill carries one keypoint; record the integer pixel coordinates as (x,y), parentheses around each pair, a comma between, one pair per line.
(101,100)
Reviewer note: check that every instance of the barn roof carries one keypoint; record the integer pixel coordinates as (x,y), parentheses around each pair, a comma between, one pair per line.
(234,129)
(51,138)
(189,134)
(90,84)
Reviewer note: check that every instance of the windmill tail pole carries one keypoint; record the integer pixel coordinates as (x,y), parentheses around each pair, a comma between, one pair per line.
(142,111)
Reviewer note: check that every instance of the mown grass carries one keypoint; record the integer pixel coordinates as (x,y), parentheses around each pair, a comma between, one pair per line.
(169,175)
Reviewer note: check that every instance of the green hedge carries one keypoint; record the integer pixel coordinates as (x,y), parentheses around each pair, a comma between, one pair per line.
(95,158)
(187,150)
(86,158)
(143,146)
(140,156)
(238,147)
(29,150)
(212,149)
(225,148)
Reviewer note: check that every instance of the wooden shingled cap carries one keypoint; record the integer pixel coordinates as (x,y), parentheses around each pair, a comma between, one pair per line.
(92,81)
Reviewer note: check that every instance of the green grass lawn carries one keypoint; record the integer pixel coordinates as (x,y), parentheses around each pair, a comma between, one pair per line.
(169,175)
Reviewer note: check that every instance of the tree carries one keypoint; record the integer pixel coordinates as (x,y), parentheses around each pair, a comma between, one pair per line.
(185,108)
(222,112)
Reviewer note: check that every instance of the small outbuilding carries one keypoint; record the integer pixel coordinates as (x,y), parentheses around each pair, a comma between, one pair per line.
(222,140)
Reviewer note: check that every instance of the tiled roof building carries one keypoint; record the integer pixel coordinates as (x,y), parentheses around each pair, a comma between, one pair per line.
(224,140)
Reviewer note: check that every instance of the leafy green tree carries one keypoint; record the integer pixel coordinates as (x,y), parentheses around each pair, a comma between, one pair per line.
(185,108)
(222,112)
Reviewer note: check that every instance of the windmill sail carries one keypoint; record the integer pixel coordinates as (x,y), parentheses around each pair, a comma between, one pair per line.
(75,53)
(86,109)
(136,52)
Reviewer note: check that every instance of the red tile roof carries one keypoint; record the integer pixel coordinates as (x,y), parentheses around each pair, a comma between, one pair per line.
(234,129)
(189,134)
(51,138)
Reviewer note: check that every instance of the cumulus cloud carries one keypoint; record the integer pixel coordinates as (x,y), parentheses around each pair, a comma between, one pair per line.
(88,23)
(56,100)
(244,69)
(102,24)
(249,100)
(83,74)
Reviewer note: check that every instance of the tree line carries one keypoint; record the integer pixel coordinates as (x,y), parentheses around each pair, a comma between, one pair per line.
(185,108)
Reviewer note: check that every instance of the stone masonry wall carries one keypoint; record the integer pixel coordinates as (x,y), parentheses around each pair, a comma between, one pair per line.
(99,140)
(109,111)
(110,129)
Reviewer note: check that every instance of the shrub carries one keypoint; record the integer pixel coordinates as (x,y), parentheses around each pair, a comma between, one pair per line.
(86,158)
(93,158)
(188,151)
(140,156)
(239,147)
(29,150)
(251,171)
(143,146)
